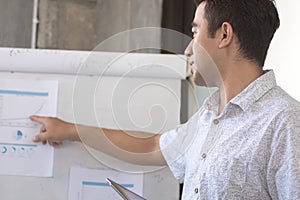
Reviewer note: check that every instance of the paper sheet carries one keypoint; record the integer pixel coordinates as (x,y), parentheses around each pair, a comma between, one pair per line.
(93,63)
(90,184)
(18,100)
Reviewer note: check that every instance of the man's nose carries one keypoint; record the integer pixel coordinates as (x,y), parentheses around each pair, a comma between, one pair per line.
(189,49)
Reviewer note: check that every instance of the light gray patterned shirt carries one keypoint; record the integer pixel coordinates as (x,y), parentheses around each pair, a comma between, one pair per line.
(250,151)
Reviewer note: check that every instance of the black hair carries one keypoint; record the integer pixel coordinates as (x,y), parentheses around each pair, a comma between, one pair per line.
(254,23)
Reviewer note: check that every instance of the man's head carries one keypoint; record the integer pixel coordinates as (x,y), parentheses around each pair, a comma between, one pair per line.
(252,22)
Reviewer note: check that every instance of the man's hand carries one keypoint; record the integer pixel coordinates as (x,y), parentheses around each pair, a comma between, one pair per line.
(54,130)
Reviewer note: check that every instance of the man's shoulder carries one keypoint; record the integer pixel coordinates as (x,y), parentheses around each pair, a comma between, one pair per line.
(282,106)
(279,99)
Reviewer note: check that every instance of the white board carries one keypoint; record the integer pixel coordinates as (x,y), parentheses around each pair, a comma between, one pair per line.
(149,104)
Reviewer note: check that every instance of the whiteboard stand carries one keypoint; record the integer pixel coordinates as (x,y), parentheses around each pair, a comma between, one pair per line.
(135,91)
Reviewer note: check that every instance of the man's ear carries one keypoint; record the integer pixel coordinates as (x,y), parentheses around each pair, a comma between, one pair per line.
(225,35)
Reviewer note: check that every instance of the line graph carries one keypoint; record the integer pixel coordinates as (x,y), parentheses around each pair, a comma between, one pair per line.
(22,123)
(21,104)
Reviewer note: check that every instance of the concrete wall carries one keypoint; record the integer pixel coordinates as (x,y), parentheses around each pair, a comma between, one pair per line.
(116,16)
(66,24)
(15,23)
(83,24)
(78,24)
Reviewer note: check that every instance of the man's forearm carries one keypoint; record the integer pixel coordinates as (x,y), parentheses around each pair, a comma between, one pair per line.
(131,146)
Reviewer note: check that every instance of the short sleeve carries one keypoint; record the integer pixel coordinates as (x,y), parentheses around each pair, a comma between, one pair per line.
(174,145)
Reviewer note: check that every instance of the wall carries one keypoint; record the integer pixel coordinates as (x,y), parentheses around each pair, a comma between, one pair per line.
(82,24)
(15,23)
(76,24)
(283,55)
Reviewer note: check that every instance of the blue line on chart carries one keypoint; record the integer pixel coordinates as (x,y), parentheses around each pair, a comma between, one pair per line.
(44,94)
(15,144)
(89,183)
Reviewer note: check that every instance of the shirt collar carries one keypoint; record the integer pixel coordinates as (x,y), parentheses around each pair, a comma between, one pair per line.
(212,102)
(255,90)
(248,96)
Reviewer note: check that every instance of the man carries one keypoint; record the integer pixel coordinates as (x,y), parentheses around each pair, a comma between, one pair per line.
(242,143)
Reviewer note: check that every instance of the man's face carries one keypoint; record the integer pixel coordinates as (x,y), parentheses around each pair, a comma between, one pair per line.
(200,52)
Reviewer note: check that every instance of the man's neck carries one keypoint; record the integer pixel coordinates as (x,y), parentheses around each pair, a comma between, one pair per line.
(236,80)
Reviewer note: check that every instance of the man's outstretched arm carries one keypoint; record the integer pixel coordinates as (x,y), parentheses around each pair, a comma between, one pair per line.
(131,146)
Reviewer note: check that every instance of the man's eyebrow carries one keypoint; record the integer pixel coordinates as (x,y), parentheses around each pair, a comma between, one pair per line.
(193,24)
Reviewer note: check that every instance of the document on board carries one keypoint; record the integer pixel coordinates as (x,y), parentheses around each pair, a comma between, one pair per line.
(18,100)
(90,184)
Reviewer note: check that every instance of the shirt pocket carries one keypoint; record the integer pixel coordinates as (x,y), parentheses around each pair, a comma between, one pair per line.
(246,180)
(237,174)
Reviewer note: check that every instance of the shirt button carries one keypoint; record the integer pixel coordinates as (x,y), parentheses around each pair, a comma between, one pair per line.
(203,155)
(196,190)
(215,121)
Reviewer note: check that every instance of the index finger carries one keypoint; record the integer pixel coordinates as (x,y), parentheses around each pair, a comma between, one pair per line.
(38,119)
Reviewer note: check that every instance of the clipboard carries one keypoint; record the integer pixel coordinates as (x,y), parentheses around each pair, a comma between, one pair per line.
(125,193)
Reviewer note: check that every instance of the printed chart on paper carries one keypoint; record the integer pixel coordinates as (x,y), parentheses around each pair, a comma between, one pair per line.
(90,184)
(20,99)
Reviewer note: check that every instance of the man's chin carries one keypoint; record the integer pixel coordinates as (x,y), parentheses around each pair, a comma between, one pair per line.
(199,81)
(201,84)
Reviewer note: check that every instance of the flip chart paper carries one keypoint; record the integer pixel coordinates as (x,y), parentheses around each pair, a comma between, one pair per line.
(19,99)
